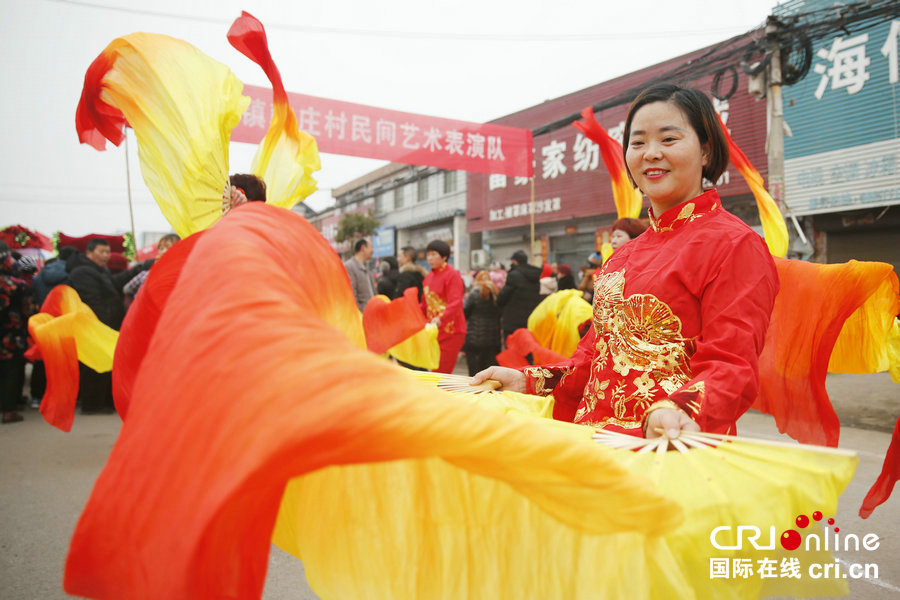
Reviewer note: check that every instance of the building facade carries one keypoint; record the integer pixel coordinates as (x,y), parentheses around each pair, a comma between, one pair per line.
(414,205)
(842,157)
(573,200)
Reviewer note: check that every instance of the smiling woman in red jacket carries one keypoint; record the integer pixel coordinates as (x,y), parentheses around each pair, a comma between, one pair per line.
(680,312)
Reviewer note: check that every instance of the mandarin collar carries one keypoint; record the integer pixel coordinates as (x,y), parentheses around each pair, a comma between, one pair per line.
(691,210)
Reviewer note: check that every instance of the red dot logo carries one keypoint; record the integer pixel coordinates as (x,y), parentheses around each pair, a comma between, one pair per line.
(817,516)
(837,529)
(831,521)
(790,539)
(802,521)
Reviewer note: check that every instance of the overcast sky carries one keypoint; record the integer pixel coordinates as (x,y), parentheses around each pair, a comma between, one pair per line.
(472,60)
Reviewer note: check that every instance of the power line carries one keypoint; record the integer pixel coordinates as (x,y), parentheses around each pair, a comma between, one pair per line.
(421,35)
(814,24)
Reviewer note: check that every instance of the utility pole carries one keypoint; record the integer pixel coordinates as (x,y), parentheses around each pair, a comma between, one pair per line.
(775,109)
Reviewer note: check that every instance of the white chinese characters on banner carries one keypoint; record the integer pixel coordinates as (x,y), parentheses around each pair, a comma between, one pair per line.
(433,139)
(335,125)
(476,145)
(409,131)
(454,142)
(308,120)
(586,154)
(523,209)
(520,181)
(361,129)
(552,164)
(256,115)
(848,65)
(496,182)
(385,132)
(617,132)
(495,149)
(889,50)
(410,136)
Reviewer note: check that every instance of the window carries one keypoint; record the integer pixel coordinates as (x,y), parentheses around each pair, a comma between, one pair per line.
(379,204)
(450,180)
(422,185)
(399,201)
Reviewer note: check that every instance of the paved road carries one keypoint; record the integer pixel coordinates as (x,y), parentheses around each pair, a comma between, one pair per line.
(47,476)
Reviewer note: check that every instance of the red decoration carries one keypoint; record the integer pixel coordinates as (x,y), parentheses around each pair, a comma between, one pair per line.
(116,242)
(17,236)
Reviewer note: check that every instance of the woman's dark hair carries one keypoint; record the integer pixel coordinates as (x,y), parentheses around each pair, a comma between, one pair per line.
(169,237)
(390,260)
(699,112)
(633,227)
(439,246)
(254,187)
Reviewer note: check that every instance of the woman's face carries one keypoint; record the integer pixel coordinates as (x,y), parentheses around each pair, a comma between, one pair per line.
(163,247)
(664,156)
(435,260)
(618,238)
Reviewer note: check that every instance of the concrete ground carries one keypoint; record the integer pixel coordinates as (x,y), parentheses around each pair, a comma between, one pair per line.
(47,476)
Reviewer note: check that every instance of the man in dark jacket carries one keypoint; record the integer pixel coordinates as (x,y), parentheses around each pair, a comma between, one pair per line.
(97,286)
(520,295)
(102,291)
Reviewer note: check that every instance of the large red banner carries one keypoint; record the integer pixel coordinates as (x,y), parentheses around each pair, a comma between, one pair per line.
(370,132)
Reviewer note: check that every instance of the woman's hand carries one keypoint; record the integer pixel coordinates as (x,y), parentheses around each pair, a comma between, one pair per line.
(670,420)
(511,380)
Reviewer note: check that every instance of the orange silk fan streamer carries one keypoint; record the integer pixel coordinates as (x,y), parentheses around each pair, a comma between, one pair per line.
(628,198)
(143,315)
(810,310)
(389,322)
(774,227)
(182,105)
(287,156)
(67,331)
(261,376)
(890,473)
(519,344)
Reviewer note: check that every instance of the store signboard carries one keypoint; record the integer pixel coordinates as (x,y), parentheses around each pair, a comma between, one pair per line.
(844,146)
(383,241)
(570,178)
(848,179)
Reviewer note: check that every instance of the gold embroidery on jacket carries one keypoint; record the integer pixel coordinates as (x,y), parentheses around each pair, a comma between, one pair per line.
(434,304)
(685,216)
(540,375)
(640,339)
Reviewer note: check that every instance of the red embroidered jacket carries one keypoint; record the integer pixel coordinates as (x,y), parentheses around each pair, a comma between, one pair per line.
(442,296)
(680,314)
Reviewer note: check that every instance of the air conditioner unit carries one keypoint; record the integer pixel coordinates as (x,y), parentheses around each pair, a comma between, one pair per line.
(480,259)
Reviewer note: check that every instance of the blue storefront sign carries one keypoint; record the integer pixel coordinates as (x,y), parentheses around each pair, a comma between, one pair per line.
(844,144)
(383,241)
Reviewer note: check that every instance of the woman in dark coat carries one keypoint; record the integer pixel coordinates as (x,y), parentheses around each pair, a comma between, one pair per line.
(565,280)
(483,323)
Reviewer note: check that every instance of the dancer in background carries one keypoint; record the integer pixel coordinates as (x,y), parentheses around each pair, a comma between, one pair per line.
(442,302)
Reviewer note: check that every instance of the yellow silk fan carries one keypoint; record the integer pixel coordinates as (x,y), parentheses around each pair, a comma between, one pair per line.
(425,529)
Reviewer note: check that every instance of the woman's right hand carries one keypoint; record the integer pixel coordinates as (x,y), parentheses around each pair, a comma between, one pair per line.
(510,379)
